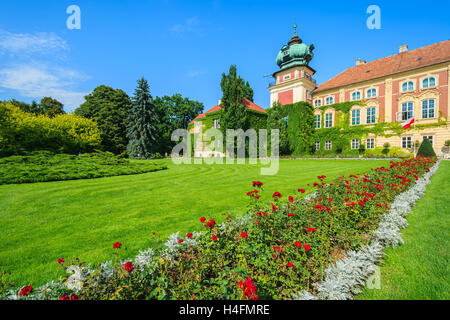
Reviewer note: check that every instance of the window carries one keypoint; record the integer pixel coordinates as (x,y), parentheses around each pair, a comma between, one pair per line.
(355,143)
(328,120)
(407,86)
(317,103)
(370,115)
(356,117)
(308,94)
(216,124)
(406,142)
(329,100)
(317,121)
(317,146)
(328,145)
(287,77)
(428,109)
(356,95)
(428,82)
(371,93)
(370,143)
(429,138)
(407,111)
(286,52)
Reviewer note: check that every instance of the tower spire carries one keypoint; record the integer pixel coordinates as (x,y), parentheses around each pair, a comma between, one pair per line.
(295,29)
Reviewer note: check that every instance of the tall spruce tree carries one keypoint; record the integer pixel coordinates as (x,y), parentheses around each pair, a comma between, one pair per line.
(142,123)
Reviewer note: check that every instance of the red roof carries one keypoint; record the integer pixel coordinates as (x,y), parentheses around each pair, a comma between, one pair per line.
(409,60)
(247,104)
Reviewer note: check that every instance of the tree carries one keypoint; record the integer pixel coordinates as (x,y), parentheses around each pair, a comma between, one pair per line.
(277,120)
(234,89)
(34,108)
(142,123)
(426,149)
(173,112)
(51,107)
(109,108)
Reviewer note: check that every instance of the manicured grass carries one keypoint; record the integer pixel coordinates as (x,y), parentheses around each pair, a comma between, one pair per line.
(42,222)
(40,166)
(419,269)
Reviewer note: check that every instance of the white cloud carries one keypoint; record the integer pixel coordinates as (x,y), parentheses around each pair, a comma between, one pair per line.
(187,26)
(39,81)
(27,44)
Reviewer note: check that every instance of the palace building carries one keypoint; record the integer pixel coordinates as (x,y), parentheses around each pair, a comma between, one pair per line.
(412,85)
(400,100)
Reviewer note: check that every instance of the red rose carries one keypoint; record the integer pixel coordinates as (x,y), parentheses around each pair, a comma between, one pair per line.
(290,265)
(297,244)
(64,297)
(189,235)
(307,247)
(290,214)
(180,240)
(244,235)
(202,219)
(361,203)
(276,194)
(274,208)
(211,223)
(60,261)
(301,190)
(117,245)
(26,290)
(74,297)
(128,266)
(214,237)
(291,199)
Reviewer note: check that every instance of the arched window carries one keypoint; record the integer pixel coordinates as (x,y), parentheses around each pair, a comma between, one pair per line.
(407,86)
(356,95)
(371,93)
(317,102)
(428,82)
(329,100)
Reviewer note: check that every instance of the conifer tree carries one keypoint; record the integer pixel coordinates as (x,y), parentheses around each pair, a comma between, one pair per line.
(234,89)
(426,149)
(142,123)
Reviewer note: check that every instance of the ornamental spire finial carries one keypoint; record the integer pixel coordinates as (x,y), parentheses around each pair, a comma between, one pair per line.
(295,29)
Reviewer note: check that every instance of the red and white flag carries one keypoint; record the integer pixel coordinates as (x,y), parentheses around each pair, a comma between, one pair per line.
(407,123)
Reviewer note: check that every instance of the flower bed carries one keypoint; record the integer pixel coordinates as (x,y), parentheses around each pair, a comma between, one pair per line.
(278,250)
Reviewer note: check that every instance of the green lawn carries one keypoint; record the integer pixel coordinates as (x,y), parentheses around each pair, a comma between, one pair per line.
(420,269)
(42,222)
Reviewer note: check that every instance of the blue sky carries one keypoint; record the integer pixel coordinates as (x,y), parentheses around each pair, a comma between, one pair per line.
(184,46)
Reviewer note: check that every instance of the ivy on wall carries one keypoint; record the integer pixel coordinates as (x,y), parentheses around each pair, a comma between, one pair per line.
(342,132)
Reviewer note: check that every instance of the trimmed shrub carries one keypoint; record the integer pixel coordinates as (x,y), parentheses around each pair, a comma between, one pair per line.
(41,166)
(21,131)
(426,149)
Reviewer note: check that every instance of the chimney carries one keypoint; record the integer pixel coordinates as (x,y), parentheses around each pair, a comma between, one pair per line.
(359,61)
(403,48)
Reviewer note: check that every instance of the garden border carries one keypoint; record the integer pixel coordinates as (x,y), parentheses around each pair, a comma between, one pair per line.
(347,276)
